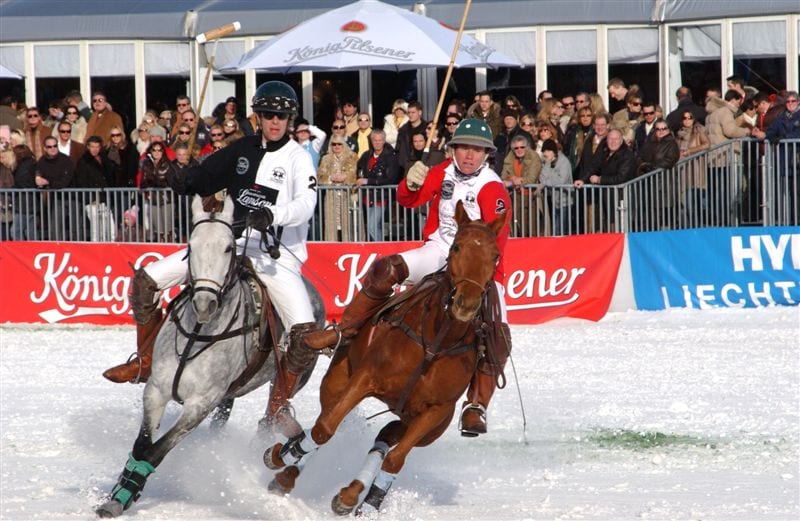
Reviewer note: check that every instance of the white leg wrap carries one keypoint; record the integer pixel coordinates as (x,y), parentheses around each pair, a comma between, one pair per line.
(384,480)
(372,463)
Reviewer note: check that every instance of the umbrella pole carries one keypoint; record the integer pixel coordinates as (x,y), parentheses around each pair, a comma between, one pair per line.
(211,35)
(447,75)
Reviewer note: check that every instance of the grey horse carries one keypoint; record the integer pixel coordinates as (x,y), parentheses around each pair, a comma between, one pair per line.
(202,349)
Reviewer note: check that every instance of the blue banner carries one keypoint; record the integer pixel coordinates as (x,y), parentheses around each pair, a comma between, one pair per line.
(716,267)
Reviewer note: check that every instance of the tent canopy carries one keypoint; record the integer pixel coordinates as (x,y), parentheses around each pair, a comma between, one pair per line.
(41,20)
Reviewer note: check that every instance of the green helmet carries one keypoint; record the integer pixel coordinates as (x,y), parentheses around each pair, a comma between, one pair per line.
(474,132)
(275,96)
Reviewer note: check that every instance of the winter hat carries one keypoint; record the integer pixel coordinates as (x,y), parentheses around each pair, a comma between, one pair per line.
(549,144)
(474,132)
(131,215)
(400,104)
(158,131)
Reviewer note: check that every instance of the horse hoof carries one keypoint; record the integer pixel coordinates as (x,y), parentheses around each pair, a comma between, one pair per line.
(283,482)
(272,457)
(112,508)
(339,508)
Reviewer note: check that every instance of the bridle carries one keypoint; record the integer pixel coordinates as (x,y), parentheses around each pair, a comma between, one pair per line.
(229,279)
(455,281)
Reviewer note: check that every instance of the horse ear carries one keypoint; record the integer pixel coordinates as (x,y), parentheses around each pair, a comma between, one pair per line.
(227,210)
(197,206)
(498,222)
(461,214)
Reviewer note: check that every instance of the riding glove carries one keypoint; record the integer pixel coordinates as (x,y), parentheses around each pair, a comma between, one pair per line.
(416,175)
(260,219)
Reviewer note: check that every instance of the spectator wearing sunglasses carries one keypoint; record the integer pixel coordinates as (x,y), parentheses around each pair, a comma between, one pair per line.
(627,119)
(339,128)
(685,102)
(72,115)
(646,127)
(35,132)
(66,145)
(103,118)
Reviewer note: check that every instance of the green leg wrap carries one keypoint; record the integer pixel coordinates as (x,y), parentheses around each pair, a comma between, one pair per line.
(131,482)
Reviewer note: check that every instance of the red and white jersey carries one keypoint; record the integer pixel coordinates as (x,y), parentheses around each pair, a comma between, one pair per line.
(483,195)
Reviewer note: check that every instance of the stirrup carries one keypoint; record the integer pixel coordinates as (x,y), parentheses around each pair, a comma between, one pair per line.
(480,410)
(138,377)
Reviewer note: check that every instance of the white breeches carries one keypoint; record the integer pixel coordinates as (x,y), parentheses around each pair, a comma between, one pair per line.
(430,257)
(281,277)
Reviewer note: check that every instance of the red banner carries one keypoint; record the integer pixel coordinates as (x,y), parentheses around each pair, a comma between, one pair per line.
(88,282)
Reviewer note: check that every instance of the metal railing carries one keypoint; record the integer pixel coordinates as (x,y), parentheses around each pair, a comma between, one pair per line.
(737,183)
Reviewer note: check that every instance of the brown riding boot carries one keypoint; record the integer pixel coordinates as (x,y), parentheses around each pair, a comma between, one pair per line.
(377,288)
(296,362)
(137,369)
(473,412)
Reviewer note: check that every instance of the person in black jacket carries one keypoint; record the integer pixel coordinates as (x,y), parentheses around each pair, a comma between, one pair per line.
(24,172)
(53,172)
(377,167)
(618,166)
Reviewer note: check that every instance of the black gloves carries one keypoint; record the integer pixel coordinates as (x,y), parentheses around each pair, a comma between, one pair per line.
(260,219)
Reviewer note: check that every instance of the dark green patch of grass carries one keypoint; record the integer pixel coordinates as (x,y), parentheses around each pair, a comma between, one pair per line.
(643,440)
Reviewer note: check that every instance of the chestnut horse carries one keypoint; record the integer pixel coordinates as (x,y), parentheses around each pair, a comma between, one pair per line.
(417,356)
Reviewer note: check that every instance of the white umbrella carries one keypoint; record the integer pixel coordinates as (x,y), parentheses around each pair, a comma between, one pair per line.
(368,35)
(8,73)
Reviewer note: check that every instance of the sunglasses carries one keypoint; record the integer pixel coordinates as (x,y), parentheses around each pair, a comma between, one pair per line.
(791,101)
(336,144)
(687,117)
(157,150)
(65,131)
(183,104)
(661,129)
(270,115)
(526,124)
(184,132)
(51,146)
(33,116)
(216,134)
(523,147)
(569,104)
(363,120)
(188,120)
(451,124)
(338,127)
(71,113)
(636,103)
(98,100)
(116,135)
(586,115)
(650,113)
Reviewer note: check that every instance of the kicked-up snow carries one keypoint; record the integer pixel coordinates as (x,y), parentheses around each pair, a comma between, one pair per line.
(680,414)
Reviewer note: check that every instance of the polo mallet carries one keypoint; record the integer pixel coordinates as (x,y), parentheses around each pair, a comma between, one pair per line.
(212,35)
(443,90)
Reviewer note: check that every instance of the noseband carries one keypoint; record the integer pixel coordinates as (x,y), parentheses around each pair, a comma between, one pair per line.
(455,281)
(221,288)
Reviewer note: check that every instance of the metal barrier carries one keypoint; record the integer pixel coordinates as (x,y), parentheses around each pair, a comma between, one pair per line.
(737,183)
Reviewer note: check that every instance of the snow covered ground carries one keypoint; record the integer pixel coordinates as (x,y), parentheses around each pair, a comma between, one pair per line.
(681,414)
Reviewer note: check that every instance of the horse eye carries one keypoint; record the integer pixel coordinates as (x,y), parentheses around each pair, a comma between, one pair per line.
(455,248)
(228,249)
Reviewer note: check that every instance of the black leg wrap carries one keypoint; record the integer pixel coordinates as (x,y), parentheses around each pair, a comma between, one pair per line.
(375,497)
(293,448)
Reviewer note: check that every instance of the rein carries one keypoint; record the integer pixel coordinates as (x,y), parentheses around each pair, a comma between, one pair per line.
(177,310)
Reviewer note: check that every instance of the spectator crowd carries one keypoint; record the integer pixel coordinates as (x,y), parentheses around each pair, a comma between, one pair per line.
(571,140)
